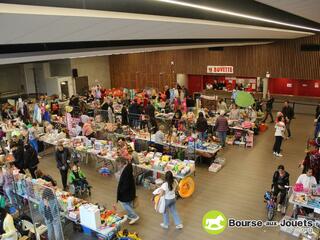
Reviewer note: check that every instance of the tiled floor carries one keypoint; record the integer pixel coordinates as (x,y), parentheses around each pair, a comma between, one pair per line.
(237,190)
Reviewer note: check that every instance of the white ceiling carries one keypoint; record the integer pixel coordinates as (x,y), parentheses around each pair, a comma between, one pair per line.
(309,9)
(37,24)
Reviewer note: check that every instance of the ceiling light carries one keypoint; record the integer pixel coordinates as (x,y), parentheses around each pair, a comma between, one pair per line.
(217,10)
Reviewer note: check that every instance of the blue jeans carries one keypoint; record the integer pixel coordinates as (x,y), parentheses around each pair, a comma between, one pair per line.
(9,194)
(34,144)
(202,135)
(171,206)
(54,230)
(222,136)
(317,130)
(128,206)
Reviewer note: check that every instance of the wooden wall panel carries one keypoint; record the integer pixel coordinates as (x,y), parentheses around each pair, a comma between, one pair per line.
(283,59)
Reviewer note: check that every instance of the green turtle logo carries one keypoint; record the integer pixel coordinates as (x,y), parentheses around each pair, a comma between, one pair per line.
(214,222)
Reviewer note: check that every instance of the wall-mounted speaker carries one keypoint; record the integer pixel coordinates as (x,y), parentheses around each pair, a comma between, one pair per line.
(215,48)
(74,72)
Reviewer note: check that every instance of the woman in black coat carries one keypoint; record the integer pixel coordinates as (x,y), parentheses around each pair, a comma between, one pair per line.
(126,192)
(124,115)
(18,151)
(201,125)
(31,160)
(63,158)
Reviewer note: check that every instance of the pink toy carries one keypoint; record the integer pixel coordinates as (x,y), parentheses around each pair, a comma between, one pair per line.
(298,187)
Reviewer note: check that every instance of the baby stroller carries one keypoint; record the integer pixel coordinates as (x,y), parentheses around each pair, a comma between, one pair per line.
(79,185)
(80,188)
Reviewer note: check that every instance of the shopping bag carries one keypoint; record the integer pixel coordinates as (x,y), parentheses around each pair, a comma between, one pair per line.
(161,205)
(2,201)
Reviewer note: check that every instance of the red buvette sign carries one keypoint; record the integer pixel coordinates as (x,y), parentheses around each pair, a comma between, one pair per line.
(219,69)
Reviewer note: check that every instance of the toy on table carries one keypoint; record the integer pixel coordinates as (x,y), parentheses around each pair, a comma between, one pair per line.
(125,235)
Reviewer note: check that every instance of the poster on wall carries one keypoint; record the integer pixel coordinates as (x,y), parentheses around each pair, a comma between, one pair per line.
(220,69)
(316,85)
(289,85)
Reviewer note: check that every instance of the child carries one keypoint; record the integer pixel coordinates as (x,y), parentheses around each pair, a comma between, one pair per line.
(78,178)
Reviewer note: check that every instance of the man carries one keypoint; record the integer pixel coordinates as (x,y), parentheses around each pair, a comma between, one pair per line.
(269,106)
(288,114)
(222,128)
(279,181)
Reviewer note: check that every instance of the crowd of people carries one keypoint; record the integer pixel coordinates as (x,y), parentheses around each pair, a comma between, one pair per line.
(136,112)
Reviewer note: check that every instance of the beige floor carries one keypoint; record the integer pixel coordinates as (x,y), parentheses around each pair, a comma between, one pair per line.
(237,190)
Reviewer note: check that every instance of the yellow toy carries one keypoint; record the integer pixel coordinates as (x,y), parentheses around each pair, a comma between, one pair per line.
(125,235)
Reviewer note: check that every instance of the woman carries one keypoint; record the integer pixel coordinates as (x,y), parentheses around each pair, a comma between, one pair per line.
(279,134)
(222,106)
(32,131)
(10,231)
(201,126)
(31,160)
(124,115)
(176,118)
(159,138)
(49,209)
(8,182)
(279,181)
(63,158)
(168,190)
(234,113)
(126,192)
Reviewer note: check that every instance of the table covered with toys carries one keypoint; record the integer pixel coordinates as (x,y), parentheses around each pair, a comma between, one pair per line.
(93,218)
(106,152)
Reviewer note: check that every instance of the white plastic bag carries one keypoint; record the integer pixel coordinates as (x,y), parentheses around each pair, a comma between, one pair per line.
(161,207)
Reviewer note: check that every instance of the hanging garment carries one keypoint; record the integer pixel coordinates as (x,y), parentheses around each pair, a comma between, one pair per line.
(46,116)
(171,95)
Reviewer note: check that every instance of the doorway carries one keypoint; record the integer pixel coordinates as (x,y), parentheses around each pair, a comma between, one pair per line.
(64,89)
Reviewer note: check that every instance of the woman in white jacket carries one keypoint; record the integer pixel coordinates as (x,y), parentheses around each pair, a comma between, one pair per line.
(279,135)
(168,190)
(10,231)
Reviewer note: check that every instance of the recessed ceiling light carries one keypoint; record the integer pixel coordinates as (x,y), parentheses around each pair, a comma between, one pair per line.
(217,10)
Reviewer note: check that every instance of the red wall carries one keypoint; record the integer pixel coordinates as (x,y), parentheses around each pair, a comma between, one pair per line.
(297,88)
(195,83)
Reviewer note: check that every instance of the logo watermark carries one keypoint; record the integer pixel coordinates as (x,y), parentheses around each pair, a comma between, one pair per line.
(215,222)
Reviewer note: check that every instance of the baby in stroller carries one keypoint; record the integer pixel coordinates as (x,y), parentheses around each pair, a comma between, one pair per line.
(78,182)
